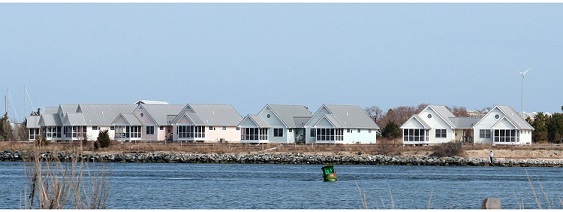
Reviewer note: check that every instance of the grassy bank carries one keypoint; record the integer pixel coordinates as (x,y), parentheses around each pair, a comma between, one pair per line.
(384,148)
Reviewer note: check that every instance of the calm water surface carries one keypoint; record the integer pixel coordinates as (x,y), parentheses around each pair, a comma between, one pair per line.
(244,186)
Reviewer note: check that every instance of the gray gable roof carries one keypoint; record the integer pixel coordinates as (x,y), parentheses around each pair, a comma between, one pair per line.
(287,113)
(351,116)
(300,121)
(50,110)
(258,120)
(515,117)
(103,114)
(50,120)
(332,119)
(444,113)
(75,119)
(419,120)
(464,122)
(131,119)
(160,112)
(68,108)
(32,122)
(216,114)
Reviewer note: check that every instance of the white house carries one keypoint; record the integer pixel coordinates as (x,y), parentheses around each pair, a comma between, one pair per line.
(73,122)
(207,123)
(433,125)
(50,124)
(343,124)
(33,127)
(436,124)
(502,125)
(275,123)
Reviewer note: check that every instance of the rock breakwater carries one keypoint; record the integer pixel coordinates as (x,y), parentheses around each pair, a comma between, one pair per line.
(283,158)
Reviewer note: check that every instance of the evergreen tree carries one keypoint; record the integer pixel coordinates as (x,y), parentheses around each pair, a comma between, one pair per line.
(103,140)
(540,127)
(555,128)
(6,132)
(391,130)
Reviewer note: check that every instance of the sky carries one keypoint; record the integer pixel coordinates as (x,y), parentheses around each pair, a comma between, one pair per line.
(250,55)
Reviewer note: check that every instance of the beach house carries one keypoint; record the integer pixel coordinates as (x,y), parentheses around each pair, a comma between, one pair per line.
(341,124)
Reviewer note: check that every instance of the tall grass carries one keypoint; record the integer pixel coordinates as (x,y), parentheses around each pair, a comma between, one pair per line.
(56,184)
(548,202)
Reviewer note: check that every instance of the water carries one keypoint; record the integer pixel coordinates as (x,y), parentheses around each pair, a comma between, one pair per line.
(244,186)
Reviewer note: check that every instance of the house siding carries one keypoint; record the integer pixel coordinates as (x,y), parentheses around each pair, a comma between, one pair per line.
(364,136)
(274,122)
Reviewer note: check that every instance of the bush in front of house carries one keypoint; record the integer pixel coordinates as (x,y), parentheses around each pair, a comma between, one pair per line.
(103,140)
(447,149)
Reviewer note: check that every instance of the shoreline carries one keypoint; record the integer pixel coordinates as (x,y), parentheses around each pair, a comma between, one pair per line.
(286,158)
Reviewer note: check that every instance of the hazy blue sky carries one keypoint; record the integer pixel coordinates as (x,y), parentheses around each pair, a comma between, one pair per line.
(249,55)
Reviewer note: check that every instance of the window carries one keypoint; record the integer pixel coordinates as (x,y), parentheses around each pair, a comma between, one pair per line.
(330,134)
(211,128)
(369,130)
(290,130)
(278,132)
(429,116)
(359,131)
(415,135)
(191,132)
(250,134)
(150,130)
(224,128)
(94,127)
(313,132)
(484,133)
(121,132)
(136,131)
(441,133)
(112,128)
(349,130)
(142,114)
(502,135)
(161,127)
(75,131)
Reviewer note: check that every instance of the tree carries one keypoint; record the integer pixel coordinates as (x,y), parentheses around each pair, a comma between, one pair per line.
(459,111)
(21,133)
(555,128)
(103,140)
(374,112)
(6,132)
(391,130)
(539,123)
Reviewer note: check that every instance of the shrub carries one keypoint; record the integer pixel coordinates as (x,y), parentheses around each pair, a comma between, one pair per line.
(387,147)
(103,139)
(447,149)
(41,141)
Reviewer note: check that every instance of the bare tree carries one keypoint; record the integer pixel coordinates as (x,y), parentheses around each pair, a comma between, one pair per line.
(459,111)
(374,113)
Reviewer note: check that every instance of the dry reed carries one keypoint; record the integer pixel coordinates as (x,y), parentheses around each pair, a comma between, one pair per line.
(56,184)
(363,197)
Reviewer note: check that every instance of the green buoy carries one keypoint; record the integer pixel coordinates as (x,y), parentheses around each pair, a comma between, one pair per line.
(329,175)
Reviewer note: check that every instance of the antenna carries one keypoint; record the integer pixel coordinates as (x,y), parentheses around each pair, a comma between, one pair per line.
(523,73)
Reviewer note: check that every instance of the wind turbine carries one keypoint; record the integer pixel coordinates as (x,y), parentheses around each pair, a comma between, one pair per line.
(523,73)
